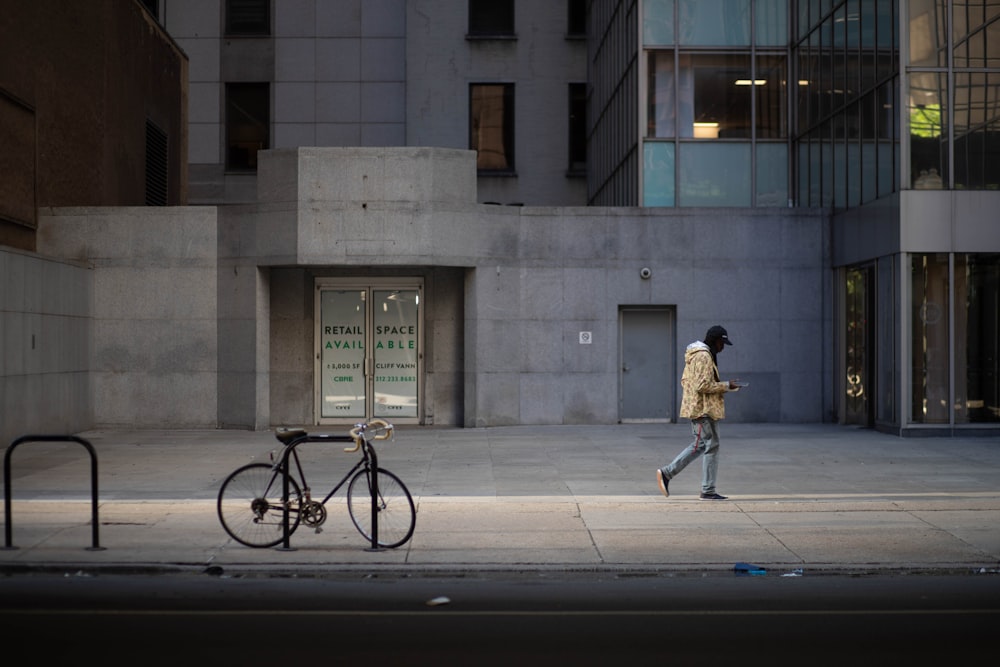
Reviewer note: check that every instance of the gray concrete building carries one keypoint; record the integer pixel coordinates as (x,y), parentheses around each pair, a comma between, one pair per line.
(395,210)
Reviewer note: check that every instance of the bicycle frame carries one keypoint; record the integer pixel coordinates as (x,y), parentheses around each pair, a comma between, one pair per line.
(363,461)
(368,460)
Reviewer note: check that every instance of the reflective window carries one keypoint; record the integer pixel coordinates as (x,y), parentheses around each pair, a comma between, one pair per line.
(928,33)
(977,130)
(929,322)
(771,22)
(888,144)
(857,346)
(491,125)
(771,90)
(658,174)
(928,134)
(772,175)
(970,23)
(660,95)
(977,339)
(885,326)
(658,22)
(714,22)
(714,174)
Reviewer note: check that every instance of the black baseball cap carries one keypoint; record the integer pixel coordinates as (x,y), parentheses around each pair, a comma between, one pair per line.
(718,332)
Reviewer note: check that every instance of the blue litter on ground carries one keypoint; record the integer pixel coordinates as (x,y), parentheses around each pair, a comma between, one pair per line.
(748,570)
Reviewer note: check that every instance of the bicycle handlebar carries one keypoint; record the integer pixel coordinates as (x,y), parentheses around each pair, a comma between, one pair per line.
(383,431)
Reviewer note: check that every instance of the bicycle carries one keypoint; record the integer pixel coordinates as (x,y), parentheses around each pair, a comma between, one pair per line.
(262,504)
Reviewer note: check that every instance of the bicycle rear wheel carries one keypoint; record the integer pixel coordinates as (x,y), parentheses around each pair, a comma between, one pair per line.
(250,506)
(396,513)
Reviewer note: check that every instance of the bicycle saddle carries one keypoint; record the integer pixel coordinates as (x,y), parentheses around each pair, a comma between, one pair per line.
(286,435)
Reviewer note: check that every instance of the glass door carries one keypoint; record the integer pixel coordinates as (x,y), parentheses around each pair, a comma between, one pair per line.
(369,339)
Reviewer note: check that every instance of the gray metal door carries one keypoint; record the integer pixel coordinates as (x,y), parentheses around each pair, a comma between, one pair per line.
(648,370)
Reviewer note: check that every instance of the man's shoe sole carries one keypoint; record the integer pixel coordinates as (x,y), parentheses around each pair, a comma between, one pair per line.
(715,497)
(662,483)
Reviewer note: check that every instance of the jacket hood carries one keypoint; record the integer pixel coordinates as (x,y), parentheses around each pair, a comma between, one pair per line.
(694,348)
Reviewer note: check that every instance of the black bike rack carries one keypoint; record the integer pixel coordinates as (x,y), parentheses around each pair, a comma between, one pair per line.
(286,537)
(9,530)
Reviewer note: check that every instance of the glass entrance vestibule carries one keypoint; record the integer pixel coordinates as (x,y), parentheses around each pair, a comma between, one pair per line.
(369,337)
(943,369)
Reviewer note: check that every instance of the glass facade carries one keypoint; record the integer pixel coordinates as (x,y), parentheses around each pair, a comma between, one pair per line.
(716,103)
(846,100)
(847,105)
(953,104)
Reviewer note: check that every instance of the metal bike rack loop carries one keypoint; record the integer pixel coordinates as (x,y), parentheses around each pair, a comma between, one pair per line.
(9,529)
(286,490)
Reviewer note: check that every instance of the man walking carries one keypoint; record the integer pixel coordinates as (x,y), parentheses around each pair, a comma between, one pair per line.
(702,402)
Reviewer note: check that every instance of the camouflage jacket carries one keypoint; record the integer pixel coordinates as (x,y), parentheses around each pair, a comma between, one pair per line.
(702,388)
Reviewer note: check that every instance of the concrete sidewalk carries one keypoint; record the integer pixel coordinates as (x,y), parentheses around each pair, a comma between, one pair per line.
(803,497)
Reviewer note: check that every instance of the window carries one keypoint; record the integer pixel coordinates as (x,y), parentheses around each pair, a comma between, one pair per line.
(714,22)
(658,22)
(977,338)
(156,166)
(576,22)
(248,17)
(714,174)
(577,128)
(151,7)
(491,125)
(491,18)
(928,118)
(248,122)
(658,174)
(930,367)
(977,130)
(18,136)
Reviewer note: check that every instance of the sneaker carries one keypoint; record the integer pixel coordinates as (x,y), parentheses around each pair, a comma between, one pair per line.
(664,483)
(713,496)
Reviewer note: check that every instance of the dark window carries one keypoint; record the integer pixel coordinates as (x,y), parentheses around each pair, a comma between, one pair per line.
(491,125)
(248,17)
(577,127)
(151,7)
(248,121)
(576,24)
(156,166)
(491,18)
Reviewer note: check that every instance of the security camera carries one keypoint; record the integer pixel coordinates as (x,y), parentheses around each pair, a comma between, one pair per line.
(645,273)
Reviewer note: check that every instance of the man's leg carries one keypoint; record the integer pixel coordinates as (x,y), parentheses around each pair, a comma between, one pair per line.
(709,464)
(690,453)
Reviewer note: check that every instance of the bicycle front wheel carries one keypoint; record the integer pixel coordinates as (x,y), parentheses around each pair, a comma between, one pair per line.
(394,506)
(250,506)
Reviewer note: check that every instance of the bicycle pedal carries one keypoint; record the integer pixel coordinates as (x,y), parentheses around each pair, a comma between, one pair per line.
(319,529)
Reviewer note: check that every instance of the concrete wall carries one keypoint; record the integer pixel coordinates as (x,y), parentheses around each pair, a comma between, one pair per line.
(45,338)
(154,308)
(201,317)
(760,273)
(536,276)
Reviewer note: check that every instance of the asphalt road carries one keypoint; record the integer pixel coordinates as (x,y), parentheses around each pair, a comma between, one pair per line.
(500,618)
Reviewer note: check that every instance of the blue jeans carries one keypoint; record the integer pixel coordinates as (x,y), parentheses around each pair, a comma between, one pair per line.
(706,444)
